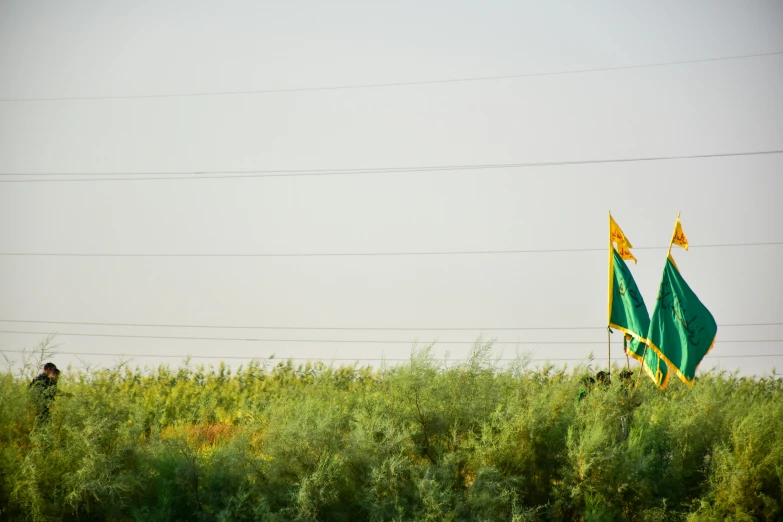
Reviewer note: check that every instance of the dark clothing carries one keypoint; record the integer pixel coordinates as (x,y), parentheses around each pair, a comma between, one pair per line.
(42,380)
(43,390)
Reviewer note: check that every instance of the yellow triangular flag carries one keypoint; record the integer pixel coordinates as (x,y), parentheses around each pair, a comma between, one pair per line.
(625,253)
(679,236)
(616,233)
(617,236)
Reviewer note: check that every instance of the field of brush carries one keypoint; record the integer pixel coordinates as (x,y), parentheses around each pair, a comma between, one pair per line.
(420,441)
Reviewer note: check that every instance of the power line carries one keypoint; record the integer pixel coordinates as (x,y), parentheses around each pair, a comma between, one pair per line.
(343,328)
(257,173)
(377,254)
(327,341)
(333,341)
(283,359)
(391,84)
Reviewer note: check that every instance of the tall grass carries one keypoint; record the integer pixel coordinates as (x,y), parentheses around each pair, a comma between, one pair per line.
(422,441)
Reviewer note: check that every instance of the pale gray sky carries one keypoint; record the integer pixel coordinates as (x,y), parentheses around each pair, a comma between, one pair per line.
(100,49)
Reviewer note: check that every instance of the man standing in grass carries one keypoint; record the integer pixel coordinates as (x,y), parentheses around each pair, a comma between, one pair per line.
(43,389)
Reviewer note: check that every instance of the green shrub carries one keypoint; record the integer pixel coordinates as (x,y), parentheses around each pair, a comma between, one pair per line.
(421,441)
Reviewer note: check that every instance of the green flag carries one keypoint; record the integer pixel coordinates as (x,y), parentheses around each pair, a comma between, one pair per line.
(628,313)
(682,330)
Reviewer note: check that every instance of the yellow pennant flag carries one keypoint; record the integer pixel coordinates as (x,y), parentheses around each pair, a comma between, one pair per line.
(625,253)
(617,236)
(679,236)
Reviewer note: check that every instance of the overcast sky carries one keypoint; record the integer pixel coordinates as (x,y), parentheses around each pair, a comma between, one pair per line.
(101,50)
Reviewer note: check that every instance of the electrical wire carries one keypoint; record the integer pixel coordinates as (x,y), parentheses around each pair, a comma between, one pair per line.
(257,173)
(330,341)
(264,340)
(389,84)
(377,254)
(282,359)
(343,328)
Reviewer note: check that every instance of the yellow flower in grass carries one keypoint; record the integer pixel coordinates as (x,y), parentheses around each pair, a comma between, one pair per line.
(207,452)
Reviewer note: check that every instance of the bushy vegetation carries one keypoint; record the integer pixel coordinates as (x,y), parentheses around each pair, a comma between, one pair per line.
(420,441)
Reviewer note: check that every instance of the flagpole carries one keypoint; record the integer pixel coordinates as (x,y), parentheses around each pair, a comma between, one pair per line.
(625,349)
(641,366)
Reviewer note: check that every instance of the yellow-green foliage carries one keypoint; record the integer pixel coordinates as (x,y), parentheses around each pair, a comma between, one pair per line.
(420,441)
